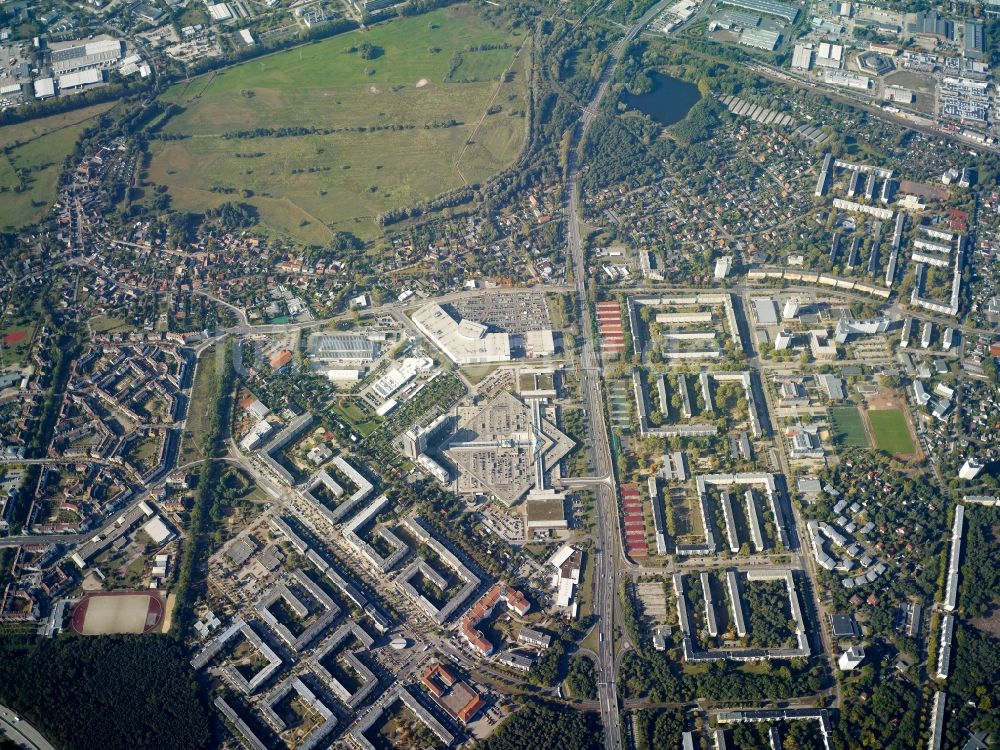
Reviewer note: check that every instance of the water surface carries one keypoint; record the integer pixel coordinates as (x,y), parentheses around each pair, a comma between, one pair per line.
(669,101)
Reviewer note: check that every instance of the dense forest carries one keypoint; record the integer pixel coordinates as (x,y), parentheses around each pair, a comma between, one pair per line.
(650,673)
(614,153)
(656,728)
(892,701)
(539,726)
(973,684)
(550,665)
(105,693)
(582,677)
(771,622)
(700,122)
(980,587)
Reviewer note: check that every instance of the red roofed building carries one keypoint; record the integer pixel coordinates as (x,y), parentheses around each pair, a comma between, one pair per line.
(483,608)
(455,696)
(437,679)
(281,359)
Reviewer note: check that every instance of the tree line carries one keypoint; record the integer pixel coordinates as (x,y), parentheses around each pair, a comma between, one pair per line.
(59,104)
(980,588)
(206,498)
(295,131)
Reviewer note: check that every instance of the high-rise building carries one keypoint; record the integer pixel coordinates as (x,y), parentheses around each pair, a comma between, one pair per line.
(970,469)
(851,658)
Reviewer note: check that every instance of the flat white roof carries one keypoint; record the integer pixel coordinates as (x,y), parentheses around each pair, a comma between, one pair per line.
(387,407)
(343,375)
(464,342)
(561,555)
(104,47)
(157,530)
(539,343)
(220,12)
(80,78)
(45,87)
(767,311)
(564,595)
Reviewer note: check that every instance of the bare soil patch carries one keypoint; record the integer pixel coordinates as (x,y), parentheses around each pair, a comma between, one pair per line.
(989,624)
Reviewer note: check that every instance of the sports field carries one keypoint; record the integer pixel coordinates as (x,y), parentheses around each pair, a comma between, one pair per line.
(847,427)
(891,431)
(376,124)
(37,149)
(16,335)
(101,614)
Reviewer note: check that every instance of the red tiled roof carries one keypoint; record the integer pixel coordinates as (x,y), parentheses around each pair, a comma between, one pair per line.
(482,609)
(281,359)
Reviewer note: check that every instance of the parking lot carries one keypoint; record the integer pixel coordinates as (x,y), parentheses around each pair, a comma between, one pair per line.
(513,313)
(15,72)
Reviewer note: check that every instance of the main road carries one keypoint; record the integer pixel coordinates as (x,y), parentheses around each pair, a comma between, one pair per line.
(802,559)
(20,732)
(605,554)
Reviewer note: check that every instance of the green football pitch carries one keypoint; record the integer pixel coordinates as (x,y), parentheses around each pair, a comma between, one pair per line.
(891,431)
(848,428)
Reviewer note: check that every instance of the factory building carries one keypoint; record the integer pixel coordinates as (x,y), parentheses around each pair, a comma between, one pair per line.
(83,56)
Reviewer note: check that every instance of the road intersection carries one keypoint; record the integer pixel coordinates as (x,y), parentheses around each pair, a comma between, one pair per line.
(608,547)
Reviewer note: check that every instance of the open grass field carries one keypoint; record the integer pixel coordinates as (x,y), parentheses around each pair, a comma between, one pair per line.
(17,336)
(478,373)
(891,431)
(309,185)
(847,428)
(108,324)
(362,423)
(145,452)
(199,419)
(38,148)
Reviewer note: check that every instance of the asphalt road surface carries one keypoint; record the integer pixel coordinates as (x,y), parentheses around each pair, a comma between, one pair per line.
(606,507)
(21,732)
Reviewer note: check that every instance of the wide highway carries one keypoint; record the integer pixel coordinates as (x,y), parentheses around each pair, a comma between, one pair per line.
(590,376)
(20,732)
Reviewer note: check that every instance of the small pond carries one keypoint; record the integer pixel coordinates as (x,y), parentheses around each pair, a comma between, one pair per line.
(669,101)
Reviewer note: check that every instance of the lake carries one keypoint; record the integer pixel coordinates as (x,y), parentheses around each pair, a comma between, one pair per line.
(669,101)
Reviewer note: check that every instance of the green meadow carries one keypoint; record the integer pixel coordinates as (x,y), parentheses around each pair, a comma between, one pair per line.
(37,149)
(372,103)
(847,427)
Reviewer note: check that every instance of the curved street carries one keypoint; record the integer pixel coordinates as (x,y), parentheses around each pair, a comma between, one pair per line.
(20,732)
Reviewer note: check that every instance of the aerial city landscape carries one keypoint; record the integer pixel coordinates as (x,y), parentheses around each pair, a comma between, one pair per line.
(516,375)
